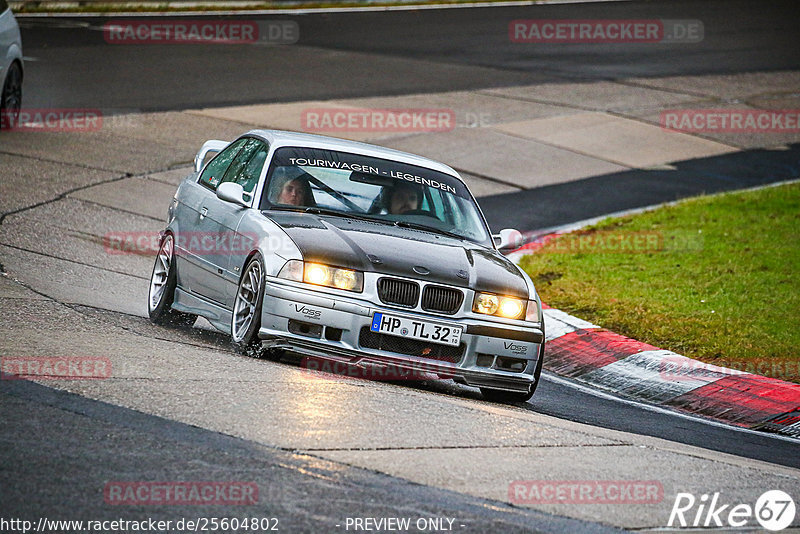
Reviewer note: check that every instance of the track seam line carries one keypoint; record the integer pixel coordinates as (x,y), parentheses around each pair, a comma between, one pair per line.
(157,180)
(69,163)
(465,447)
(65,194)
(76,262)
(619,114)
(115,208)
(490,178)
(61,196)
(567,149)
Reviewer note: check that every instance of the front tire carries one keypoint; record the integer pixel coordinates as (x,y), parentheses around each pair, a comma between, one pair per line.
(246,317)
(163,282)
(497,395)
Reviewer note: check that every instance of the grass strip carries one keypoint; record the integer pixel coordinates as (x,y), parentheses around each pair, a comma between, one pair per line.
(714,278)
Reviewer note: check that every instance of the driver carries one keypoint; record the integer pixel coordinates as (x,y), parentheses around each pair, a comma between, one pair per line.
(291,190)
(404,198)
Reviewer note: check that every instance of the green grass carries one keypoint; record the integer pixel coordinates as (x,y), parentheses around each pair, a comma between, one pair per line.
(719,280)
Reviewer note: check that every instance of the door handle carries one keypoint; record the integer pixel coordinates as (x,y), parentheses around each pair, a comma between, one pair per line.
(203,213)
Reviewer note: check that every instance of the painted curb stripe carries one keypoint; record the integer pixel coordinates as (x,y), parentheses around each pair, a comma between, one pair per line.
(581,352)
(786,423)
(744,400)
(654,376)
(612,362)
(557,323)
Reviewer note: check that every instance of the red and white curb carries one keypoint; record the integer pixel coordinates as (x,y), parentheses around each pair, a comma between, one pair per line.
(605,360)
(588,353)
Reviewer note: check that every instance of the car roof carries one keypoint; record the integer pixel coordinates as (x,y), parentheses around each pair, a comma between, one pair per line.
(280,138)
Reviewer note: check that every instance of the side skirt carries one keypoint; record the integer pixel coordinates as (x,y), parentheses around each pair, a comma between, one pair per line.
(218,316)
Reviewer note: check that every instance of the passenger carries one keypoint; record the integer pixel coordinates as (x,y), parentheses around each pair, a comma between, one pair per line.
(404,198)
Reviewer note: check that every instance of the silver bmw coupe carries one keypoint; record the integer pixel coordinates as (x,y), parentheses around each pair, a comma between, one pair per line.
(351,253)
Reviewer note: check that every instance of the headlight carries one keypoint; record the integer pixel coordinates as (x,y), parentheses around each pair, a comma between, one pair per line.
(532,313)
(292,270)
(320,274)
(317,274)
(490,304)
(486,303)
(511,308)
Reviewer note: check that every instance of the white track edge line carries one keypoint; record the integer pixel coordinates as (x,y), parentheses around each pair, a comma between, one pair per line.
(658,409)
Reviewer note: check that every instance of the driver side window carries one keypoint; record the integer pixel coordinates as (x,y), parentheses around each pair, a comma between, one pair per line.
(215,170)
(246,167)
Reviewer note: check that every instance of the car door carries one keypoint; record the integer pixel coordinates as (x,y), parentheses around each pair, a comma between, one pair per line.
(197,257)
(245,170)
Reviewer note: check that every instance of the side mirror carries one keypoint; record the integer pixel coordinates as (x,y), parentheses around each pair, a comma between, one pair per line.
(231,192)
(209,146)
(508,238)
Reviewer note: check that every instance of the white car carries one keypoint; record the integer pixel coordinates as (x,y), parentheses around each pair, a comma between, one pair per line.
(11,66)
(352,253)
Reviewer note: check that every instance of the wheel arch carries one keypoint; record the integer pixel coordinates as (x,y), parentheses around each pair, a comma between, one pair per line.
(250,255)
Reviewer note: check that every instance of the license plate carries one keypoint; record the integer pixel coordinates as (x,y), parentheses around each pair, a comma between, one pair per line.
(394,325)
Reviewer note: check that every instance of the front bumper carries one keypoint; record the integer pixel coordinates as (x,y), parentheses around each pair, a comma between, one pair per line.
(333,327)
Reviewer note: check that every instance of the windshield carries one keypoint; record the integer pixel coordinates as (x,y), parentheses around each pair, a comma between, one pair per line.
(378,189)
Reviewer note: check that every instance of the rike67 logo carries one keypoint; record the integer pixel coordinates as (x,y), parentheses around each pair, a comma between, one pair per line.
(774,510)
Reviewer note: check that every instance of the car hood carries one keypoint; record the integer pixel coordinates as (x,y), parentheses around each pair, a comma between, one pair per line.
(377,247)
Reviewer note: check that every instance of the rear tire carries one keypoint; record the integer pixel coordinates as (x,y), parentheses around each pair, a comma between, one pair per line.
(163,282)
(11,97)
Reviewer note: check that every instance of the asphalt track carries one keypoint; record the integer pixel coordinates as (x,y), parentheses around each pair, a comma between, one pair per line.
(73,67)
(391,53)
(359,54)
(98,442)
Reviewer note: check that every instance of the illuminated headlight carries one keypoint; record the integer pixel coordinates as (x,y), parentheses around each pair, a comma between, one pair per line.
(317,274)
(511,308)
(320,274)
(491,304)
